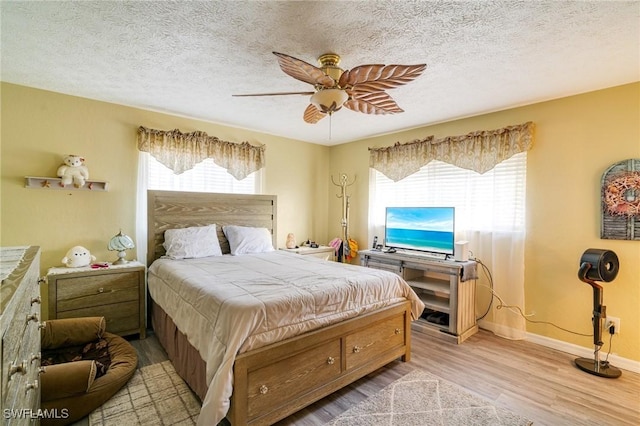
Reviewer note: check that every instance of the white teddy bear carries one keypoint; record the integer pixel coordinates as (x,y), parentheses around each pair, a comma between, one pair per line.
(78,257)
(73,171)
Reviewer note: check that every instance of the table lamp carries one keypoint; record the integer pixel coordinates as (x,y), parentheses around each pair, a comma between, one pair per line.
(120,243)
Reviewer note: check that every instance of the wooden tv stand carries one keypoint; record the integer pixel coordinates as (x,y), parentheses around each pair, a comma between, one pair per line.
(447,288)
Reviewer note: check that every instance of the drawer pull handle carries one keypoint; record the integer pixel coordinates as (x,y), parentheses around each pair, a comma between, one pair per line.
(42,370)
(101,290)
(30,386)
(331,360)
(397,331)
(37,300)
(33,317)
(264,389)
(17,368)
(356,349)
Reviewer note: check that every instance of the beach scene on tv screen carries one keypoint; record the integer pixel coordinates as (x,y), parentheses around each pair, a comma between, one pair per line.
(427,229)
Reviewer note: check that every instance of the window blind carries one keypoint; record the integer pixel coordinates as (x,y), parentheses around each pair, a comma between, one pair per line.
(206,176)
(493,201)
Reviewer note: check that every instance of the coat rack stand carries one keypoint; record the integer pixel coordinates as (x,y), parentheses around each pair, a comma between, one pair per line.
(344,222)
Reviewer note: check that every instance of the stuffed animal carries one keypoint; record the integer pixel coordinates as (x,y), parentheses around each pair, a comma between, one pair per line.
(73,171)
(78,257)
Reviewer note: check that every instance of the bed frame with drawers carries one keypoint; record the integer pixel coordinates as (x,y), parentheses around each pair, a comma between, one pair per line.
(275,381)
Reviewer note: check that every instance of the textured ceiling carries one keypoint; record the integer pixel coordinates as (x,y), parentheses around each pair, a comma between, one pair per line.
(188,58)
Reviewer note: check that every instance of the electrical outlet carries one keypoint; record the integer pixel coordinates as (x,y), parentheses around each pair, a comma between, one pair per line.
(616,323)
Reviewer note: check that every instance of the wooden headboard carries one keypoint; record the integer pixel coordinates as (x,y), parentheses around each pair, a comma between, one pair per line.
(172,209)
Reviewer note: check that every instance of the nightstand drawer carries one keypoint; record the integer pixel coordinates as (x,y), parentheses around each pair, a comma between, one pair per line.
(75,293)
(120,317)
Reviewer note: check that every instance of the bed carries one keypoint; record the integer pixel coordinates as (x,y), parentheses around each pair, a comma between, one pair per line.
(236,334)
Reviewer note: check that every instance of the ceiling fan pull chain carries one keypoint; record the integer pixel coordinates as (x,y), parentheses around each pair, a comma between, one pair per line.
(330,118)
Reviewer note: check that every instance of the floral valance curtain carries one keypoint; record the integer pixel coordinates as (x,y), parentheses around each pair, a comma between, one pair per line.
(401,160)
(182,151)
(478,151)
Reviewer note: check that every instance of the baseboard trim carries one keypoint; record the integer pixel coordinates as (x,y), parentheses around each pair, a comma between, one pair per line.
(503,330)
(580,351)
(570,348)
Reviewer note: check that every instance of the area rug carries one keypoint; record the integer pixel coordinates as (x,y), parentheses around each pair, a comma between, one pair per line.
(155,395)
(420,398)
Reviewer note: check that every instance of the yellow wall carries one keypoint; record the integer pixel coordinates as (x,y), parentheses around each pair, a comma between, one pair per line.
(576,139)
(40,127)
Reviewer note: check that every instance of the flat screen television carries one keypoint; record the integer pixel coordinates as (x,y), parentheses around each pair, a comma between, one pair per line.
(427,229)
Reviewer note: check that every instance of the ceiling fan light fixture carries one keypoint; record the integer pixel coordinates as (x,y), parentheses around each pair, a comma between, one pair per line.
(360,89)
(329,100)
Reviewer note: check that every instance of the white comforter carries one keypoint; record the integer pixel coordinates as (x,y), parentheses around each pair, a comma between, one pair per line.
(227,305)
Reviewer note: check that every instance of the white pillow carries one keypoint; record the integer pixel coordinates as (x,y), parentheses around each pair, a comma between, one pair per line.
(193,242)
(246,239)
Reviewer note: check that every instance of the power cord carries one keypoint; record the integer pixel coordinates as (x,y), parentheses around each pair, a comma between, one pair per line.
(487,272)
(612,331)
(513,308)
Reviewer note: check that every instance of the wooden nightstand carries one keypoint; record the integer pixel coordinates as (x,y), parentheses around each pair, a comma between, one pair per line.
(118,293)
(322,252)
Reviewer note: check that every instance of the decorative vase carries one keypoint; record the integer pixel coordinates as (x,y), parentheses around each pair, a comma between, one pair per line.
(291,241)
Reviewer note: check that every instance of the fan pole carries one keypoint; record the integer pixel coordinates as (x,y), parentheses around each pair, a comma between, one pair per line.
(595,366)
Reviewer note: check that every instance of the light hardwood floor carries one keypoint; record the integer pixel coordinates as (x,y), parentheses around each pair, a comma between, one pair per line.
(539,383)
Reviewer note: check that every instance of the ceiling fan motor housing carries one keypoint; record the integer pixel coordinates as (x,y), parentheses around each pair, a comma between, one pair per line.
(329,65)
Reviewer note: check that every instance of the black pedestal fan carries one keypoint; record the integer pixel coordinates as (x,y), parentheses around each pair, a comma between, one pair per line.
(598,265)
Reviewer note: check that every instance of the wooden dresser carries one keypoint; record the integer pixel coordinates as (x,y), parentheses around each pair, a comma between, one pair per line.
(20,326)
(118,293)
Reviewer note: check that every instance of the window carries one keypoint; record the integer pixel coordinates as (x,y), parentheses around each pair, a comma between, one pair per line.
(206,176)
(493,201)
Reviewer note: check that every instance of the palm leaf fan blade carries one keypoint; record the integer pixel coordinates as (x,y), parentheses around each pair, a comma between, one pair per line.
(373,103)
(312,114)
(273,94)
(303,71)
(380,77)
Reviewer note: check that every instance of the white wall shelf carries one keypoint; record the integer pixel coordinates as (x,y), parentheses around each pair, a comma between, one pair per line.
(35,182)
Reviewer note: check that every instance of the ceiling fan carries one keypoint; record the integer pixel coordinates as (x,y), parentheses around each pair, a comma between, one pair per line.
(361,89)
